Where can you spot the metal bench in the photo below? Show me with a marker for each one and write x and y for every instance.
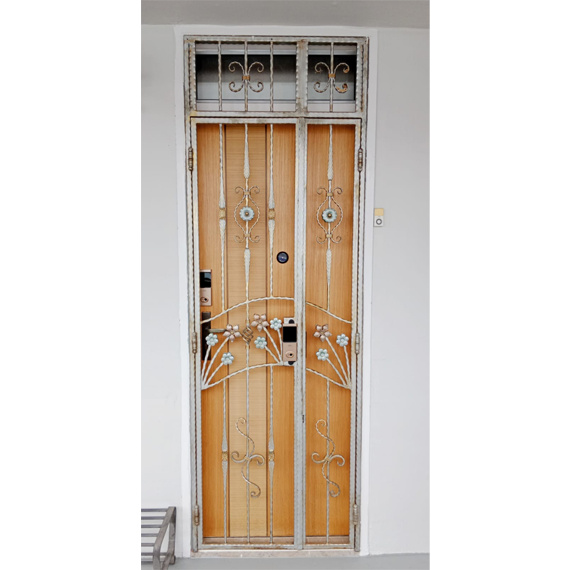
(154, 524)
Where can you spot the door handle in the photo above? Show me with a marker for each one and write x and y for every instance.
(206, 330)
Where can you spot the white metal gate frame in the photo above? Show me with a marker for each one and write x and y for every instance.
(301, 118)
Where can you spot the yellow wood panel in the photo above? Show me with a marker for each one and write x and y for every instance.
(283, 286)
(208, 157)
(236, 293)
(340, 305)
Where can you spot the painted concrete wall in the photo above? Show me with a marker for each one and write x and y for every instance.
(161, 386)
(399, 439)
(399, 434)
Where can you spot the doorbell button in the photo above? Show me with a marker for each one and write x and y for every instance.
(378, 217)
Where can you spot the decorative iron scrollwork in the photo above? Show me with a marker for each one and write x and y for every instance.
(331, 82)
(328, 458)
(247, 459)
(246, 77)
(247, 214)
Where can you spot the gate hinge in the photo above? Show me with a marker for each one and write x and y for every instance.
(357, 343)
(355, 514)
(190, 159)
(360, 159)
(194, 343)
(196, 516)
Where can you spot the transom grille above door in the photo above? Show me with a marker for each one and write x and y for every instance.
(275, 265)
(284, 75)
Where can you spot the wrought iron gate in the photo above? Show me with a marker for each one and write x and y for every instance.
(275, 139)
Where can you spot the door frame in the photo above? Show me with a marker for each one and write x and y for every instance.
(361, 430)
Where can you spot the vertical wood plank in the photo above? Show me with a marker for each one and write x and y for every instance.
(340, 305)
(235, 286)
(210, 258)
(283, 286)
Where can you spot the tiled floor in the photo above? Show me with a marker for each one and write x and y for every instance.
(385, 562)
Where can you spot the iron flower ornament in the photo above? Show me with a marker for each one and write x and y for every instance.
(322, 332)
(342, 340)
(322, 354)
(211, 339)
(259, 321)
(232, 332)
(227, 358)
(260, 342)
(246, 214)
(329, 215)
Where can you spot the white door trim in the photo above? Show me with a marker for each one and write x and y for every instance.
(184, 512)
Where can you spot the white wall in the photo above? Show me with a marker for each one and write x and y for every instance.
(399, 468)
(399, 434)
(161, 392)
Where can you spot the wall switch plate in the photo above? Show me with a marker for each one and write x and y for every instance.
(378, 217)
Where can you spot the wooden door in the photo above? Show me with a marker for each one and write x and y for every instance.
(246, 197)
(329, 297)
(259, 451)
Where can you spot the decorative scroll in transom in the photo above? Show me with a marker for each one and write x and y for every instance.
(246, 76)
(332, 70)
(331, 81)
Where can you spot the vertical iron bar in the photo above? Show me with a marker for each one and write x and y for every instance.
(247, 432)
(329, 194)
(271, 448)
(222, 207)
(220, 76)
(331, 80)
(357, 426)
(271, 226)
(299, 404)
(190, 285)
(271, 220)
(246, 72)
(328, 453)
(222, 214)
(196, 319)
(192, 73)
(246, 173)
(302, 76)
(225, 467)
(358, 87)
(247, 253)
(271, 76)
(355, 329)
